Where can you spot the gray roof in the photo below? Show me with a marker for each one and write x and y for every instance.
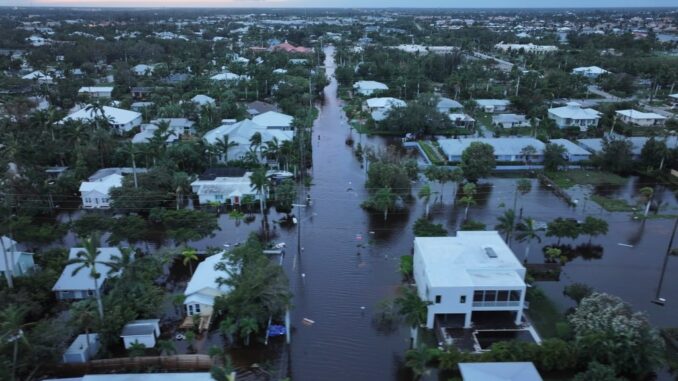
(140, 327)
(499, 371)
(637, 142)
(571, 148)
(502, 146)
(104, 172)
(448, 103)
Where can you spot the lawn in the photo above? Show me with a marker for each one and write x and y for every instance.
(612, 204)
(432, 153)
(567, 179)
(544, 313)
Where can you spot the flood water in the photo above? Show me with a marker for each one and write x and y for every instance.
(349, 261)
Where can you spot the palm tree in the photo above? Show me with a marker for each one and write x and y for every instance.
(189, 255)
(136, 349)
(507, 222)
(647, 193)
(255, 141)
(271, 149)
(131, 149)
(228, 328)
(417, 359)
(469, 190)
(88, 258)
(259, 184)
(527, 231)
(84, 315)
(247, 327)
(413, 309)
(425, 194)
(11, 330)
(97, 111)
(167, 347)
(384, 200)
(123, 263)
(223, 145)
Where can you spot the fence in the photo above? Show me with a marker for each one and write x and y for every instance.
(175, 363)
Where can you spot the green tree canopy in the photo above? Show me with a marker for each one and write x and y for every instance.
(477, 161)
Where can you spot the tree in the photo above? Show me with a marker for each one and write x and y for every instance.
(247, 327)
(259, 184)
(654, 153)
(425, 195)
(593, 227)
(507, 224)
(599, 372)
(88, 259)
(608, 331)
(166, 347)
(223, 145)
(418, 358)
(285, 194)
(577, 291)
(563, 228)
(527, 231)
(616, 155)
(188, 256)
(468, 191)
(413, 309)
(84, 316)
(383, 200)
(646, 194)
(185, 225)
(136, 349)
(477, 161)
(11, 330)
(424, 228)
(554, 157)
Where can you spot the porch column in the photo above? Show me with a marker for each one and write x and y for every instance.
(519, 313)
(467, 319)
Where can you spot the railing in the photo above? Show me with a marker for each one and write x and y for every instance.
(512, 303)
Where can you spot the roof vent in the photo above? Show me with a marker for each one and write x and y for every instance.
(490, 252)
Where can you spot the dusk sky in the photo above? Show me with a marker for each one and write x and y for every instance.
(346, 3)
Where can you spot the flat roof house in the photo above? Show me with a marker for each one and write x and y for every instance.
(274, 120)
(499, 371)
(203, 287)
(380, 107)
(510, 120)
(639, 118)
(96, 194)
(589, 71)
(447, 105)
(368, 88)
(121, 120)
(99, 92)
(493, 105)
(474, 271)
(71, 286)
(573, 115)
(142, 332)
(20, 263)
(83, 348)
(461, 120)
(505, 149)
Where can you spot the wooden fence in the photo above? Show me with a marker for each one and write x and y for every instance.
(176, 363)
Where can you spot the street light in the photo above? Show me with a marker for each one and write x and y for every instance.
(658, 300)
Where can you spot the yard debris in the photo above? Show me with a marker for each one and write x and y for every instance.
(307, 322)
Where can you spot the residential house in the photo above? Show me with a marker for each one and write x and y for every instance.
(289, 48)
(274, 120)
(259, 107)
(474, 271)
(177, 128)
(82, 349)
(77, 286)
(229, 77)
(176, 78)
(595, 145)
(121, 120)
(499, 371)
(573, 115)
(143, 69)
(526, 48)
(140, 106)
(204, 287)
(20, 262)
(505, 149)
(193, 376)
(240, 133)
(203, 100)
(96, 194)
(141, 92)
(493, 105)
(369, 88)
(639, 118)
(96, 92)
(462, 120)
(141, 332)
(227, 186)
(447, 105)
(573, 152)
(673, 98)
(510, 120)
(38, 77)
(380, 107)
(589, 71)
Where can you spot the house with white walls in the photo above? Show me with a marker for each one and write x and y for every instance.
(228, 187)
(96, 194)
(474, 271)
(144, 332)
(82, 349)
(203, 287)
(368, 88)
(574, 115)
(19, 262)
(119, 119)
(81, 285)
(96, 92)
(641, 119)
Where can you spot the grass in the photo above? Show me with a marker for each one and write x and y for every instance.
(568, 179)
(432, 153)
(612, 204)
(544, 313)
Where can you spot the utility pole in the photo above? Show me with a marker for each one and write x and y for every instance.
(658, 299)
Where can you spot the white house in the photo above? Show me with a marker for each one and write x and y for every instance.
(474, 271)
(368, 88)
(380, 107)
(82, 349)
(20, 263)
(38, 76)
(229, 77)
(240, 133)
(573, 115)
(203, 100)
(274, 120)
(639, 118)
(96, 194)
(71, 286)
(99, 92)
(527, 48)
(499, 371)
(203, 287)
(462, 120)
(589, 71)
(121, 120)
(143, 69)
(142, 332)
(510, 120)
(673, 98)
(177, 128)
(573, 152)
(505, 149)
(447, 105)
(224, 189)
(493, 105)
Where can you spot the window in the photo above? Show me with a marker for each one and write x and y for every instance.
(515, 295)
(462, 299)
(190, 309)
(477, 296)
(503, 296)
(490, 296)
(438, 299)
(197, 308)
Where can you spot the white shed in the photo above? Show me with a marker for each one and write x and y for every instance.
(141, 331)
(82, 349)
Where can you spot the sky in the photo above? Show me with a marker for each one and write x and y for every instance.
(348, 3)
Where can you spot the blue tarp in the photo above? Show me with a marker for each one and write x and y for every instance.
(276, 330)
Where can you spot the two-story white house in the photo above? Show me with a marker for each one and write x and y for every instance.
(227, 189)
(203, 287)
(573, 115)
(474, 271)
(95, 194)
(639, 118)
